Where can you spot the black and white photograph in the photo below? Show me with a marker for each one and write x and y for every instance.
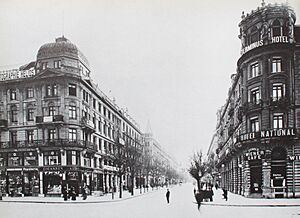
(150, 108)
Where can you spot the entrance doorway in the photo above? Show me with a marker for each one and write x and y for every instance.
(255, 176)
(278, 171)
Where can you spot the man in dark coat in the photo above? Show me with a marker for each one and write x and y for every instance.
(225, 194)
(199, 198)
(168, 196)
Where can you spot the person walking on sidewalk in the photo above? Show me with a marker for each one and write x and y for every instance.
(225, 194)
(168, 196)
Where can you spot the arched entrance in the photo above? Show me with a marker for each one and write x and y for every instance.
(278, 171)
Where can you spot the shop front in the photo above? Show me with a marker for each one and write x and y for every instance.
(52, 180)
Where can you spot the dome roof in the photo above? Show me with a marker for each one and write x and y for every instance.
(61, 47)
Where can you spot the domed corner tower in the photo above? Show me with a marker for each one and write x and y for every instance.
(64, 56)
(268, 24)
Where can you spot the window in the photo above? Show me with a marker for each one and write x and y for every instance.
(254, 96)
(276, 28)
(72, 157)
(14, 114)
(44, 65)
(52, 110)
(15, 159)
(72, 89)
(52, 158)
(13, 94)
(94, 103)
(72, 112)
(254, 124)
(278, 120)
(99, 126)
(52, 90)
(254, 70)
(29, 93)
(13, 137)
(85, 96)
(57, 64)
(30, 114)
(276, 65)
(100, 145)
(30, 136)
(52, 134)
(99, 107)
(277, 91)
(254, 36)
(72, 134)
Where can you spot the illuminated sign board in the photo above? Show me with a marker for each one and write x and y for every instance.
(275, 39)
(16, 74)
(273, 133)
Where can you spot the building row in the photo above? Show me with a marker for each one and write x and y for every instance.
(256, 143)
(59, 130)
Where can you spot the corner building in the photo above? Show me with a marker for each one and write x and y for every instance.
(57, 129)
(258, 127)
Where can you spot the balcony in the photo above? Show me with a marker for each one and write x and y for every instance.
(87, 124)
(3, 124)
(56, 143)
(252, 106)
(45, 120)
(282, 102)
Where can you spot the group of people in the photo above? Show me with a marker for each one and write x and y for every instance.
(71, 193)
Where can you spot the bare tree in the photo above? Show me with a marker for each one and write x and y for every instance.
(198, 168)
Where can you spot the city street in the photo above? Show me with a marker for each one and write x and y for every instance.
(154, 205)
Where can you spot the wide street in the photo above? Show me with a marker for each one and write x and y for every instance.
(150, 205)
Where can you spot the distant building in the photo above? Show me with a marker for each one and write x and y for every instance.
(258, 127)
(57, 129)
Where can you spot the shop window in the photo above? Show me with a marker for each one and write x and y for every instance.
(29, 92)
(254, 70)
(254, 124)
(13, 94)
(72, 134)
(254, 96)
(72, 112)
(72, 89)
(276, 65)
(30, 159)
(278, 120)
(277, 91)
(73, 158)
(52, 158)
(30, 114)
(15, 159)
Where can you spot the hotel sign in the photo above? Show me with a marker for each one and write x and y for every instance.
(16, 74)
(267, 134)
(275, 39)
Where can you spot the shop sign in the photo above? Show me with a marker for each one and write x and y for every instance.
(277, 176)
(14, 169)
(31, 169)
(273, 133)
(16, 74)
(255, 154)
(294, 157)
(52, 168)
(275, 39)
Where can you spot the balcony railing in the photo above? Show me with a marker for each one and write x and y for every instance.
(88, 124)
(50, 119)
(3, 124)
(49, 143)
(282, 102)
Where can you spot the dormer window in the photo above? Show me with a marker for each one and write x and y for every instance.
(276, 28)
(57, 64)
(254, 36)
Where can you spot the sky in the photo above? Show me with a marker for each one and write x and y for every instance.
(167, 61)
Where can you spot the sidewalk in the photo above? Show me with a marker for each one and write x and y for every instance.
(90, 199)
(235, 200)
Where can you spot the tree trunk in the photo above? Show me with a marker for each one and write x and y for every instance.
(198, 184)
(120, 184)
(132, 183)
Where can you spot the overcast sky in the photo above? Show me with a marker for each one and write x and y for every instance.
(168, 61)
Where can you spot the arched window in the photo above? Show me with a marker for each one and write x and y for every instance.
(254, 36)
(276, 28)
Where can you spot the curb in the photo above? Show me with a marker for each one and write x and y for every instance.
(249, 205)
(75, 202)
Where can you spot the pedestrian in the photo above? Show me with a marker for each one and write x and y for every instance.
(73, 194)
(65, 194)
(168, 196)
(84, 193)
(225, 194)
(199, 198)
